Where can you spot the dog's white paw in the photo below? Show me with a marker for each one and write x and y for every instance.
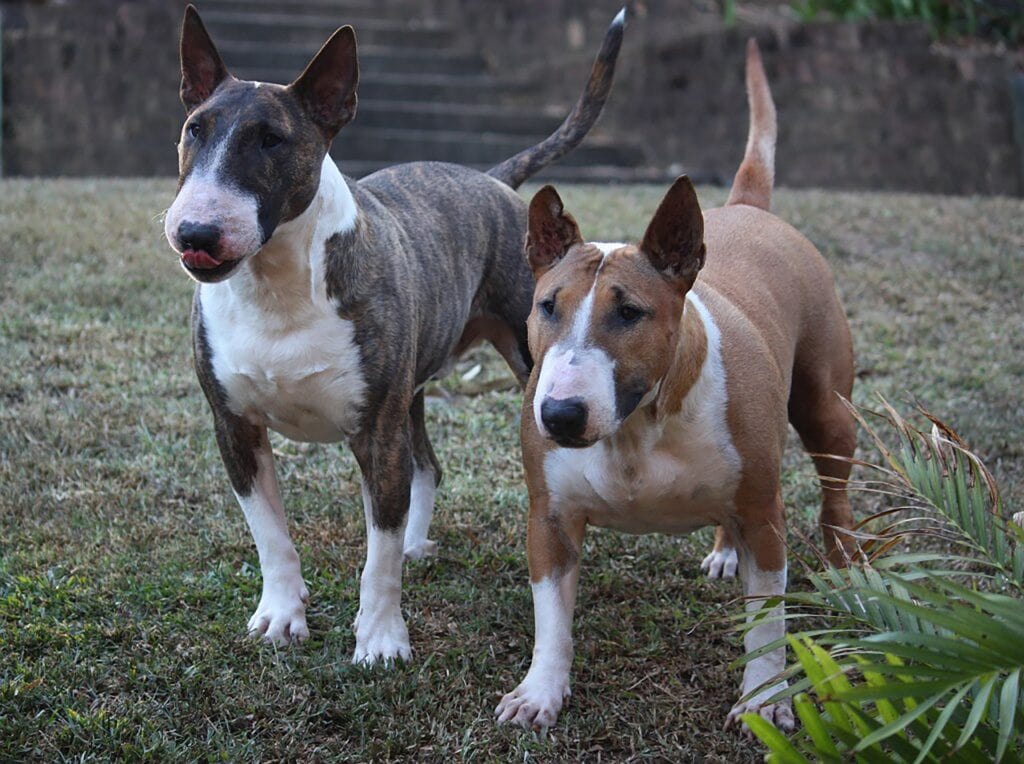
(382, 638)
(533, 705)
(280, 618)
(780, 714)
(417, 550)
(721, 564)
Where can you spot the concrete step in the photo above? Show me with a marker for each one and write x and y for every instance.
(422, 97)
(460, 117)
(314, 30)
(469, 89)
(400, 145)
(372, 59)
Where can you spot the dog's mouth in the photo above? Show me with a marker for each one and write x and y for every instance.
(571, 442)
(203, 266)
(199, 260)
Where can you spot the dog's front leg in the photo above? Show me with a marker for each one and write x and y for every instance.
(385, 458)
(554, 544)
(280, 616)
(762, 557)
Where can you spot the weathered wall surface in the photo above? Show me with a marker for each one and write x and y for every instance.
(859, 106)
(874, 105)
(90, 88)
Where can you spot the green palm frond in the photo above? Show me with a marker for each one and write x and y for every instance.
(921, 654)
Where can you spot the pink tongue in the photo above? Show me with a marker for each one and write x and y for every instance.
(197, 258)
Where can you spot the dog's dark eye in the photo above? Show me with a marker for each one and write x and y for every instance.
(547, 307)
(193, 130)
(270, 140)
(630, 315)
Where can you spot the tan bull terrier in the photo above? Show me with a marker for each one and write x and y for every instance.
(659, 401)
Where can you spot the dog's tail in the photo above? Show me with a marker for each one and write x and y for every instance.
(527, 163)
(753, 182)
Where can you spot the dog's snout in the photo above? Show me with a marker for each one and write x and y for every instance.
(565, 419)
(199, 236)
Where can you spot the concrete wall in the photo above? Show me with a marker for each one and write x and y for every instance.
(91, 88)
(865, 106)
(873, 105)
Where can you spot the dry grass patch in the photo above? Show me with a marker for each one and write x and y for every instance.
(127, 574)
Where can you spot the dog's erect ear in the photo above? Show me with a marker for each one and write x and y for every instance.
(202, 69)
(327, 88)
(552, 230)
(674, 241)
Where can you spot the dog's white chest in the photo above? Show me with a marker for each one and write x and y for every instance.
(670, 476)
(676, 482)
(301, 377)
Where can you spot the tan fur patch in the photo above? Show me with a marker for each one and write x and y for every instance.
(687, 364)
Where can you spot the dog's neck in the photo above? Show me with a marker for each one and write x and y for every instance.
(688, 360)
(289, 269)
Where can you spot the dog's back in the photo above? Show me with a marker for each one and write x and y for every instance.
(762, 273)
(457, 235)
(762, 265)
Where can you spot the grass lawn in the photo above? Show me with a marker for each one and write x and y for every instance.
(127, 573)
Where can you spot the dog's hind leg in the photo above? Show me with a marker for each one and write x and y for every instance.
(762, 553)
(508, 339)
(722, 561)
(426, 477)
(828, 430)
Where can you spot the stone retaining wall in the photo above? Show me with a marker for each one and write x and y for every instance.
(90, 88)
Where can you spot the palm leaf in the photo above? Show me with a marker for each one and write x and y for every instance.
(916, 662)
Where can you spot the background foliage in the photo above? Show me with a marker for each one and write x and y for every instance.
(997, 20)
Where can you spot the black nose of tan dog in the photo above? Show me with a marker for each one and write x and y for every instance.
(198, 236)
(565, 419)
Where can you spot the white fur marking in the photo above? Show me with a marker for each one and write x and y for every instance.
(539, 697)
(280, 616)
(205, 199)
(584, 372)
(757, 585)
(606, 247)
(279, 348)
(721, 563)
(381, 634)
(574, 369)
(421, 510)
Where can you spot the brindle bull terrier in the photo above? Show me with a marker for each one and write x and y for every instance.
(659, 401)
(324, 305)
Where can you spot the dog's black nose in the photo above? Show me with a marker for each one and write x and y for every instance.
(565, 419)
(199, 236)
